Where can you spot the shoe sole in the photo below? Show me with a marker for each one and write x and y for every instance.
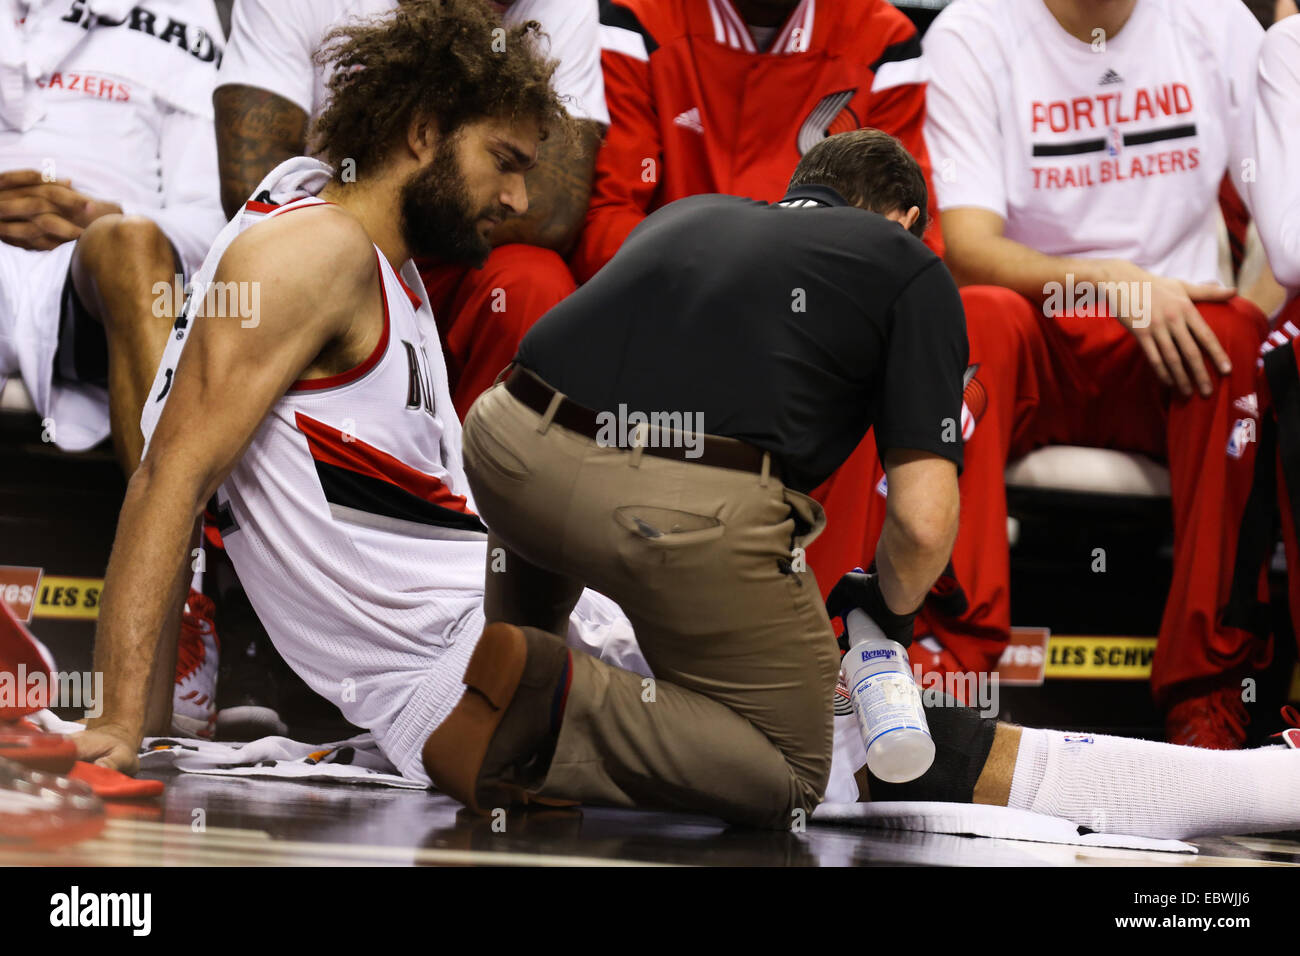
(193, 726)
(454, 753)
(249, 722)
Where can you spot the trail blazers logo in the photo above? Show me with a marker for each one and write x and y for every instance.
(831, 115)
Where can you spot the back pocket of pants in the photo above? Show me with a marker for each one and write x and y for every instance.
(668, 528)
(484, 450)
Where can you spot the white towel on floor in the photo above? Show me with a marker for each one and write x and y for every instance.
(976, 819)
(356, 760)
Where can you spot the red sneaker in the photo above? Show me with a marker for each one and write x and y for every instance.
(21, 657)
(1291, 736)
(194, 700)
(1213, 721)
(44, 810)
(24, 743)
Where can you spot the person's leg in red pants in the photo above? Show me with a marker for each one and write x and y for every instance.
(1028, 404)
(1014, 371)
(853, 523)
(1286, 407)
(1211, 630)
(1201, 656)
(482, 314)
(1085, 381)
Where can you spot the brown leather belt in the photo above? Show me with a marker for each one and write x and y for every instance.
(706, 449)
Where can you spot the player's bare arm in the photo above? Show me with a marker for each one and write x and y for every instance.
(920, 526)
(227, 380)
(256, 131)
(39, 213)
(1171, 331)
(558, 191)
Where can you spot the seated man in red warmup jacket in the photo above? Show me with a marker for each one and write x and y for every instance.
(725, 96)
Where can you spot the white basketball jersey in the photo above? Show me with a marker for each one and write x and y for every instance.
(349, 518)
(350, 521)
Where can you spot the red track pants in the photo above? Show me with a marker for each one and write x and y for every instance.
(1081, 381)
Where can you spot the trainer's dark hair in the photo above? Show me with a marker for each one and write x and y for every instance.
(870, 169)
(453, 60)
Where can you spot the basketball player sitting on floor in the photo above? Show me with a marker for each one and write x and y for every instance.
(326, 431)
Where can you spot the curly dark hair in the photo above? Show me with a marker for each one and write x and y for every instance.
(453, 60)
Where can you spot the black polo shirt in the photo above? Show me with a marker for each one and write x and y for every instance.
(794, 326)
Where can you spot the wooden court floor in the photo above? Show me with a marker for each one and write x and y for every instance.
(215, 821)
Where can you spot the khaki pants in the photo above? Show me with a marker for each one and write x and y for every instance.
(737, 720)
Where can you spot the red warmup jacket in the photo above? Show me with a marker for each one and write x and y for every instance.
(695, 107)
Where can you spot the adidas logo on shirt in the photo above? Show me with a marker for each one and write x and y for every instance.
(1109, 77)
(690, 119)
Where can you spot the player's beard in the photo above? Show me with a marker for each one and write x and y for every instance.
(437, 218)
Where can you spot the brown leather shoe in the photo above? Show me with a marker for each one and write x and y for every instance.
(497, 740)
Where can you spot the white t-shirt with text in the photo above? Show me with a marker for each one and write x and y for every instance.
(272, 43)
(1108, 149)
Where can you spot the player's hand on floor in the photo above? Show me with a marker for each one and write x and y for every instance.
(1172, 333)
(109, 746)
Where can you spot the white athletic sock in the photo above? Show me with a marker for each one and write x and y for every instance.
(1142, 788)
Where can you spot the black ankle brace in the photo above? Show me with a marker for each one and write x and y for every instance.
(962, 741)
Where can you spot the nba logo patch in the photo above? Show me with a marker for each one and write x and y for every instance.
(1243, 432)
(1113, 142)
(882, 486)
(1078, 739)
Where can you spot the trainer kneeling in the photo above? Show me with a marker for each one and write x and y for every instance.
(737, 352)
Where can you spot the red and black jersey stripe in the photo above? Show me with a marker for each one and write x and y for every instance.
(363, 479)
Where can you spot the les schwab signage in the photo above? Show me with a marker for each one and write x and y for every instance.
(30, 593)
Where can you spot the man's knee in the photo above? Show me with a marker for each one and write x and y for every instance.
(115, 249)
(113, 244)
(1239, 326)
